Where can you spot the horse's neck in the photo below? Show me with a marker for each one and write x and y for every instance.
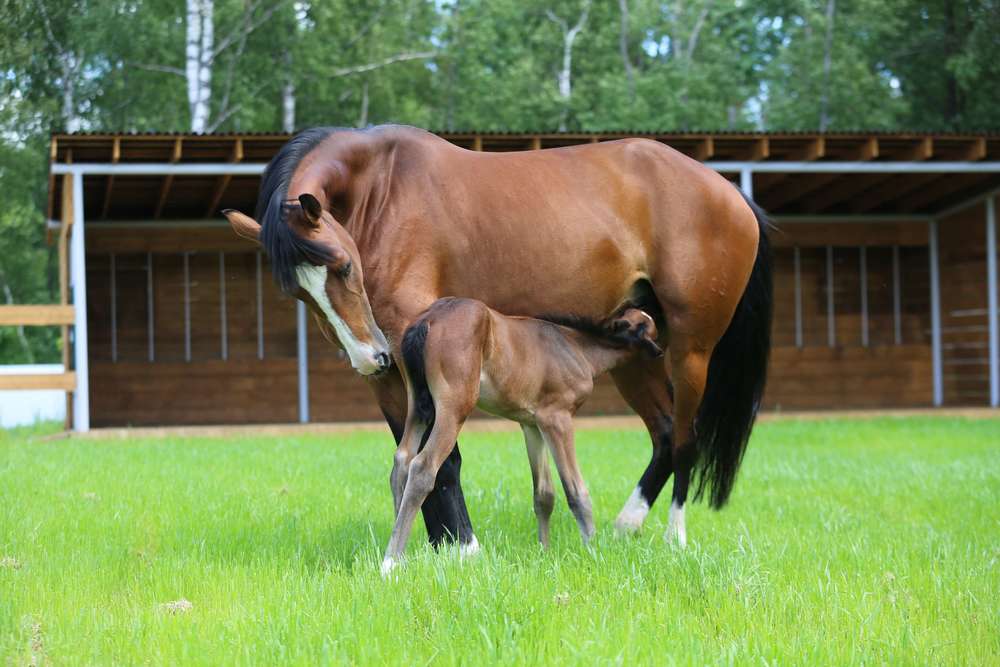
(601, 356)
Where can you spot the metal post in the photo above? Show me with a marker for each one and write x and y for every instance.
(798, 297)
(746, 182)
(303, 353)
(831, 325)
(991, 290)
(897, 300)
(114, 309)
(864, 295)
(187, 306)
(260, 311)
(224, 321)
(932, 229)
(78, 272)
(150, 322)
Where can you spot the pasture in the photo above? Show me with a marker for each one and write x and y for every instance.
(845, 542)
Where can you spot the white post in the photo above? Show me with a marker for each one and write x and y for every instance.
(746, 182)
(932, 229)
(991, 290)
(303, 352)
(78, 272)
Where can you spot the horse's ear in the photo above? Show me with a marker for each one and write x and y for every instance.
(243, 225)
(312, 209)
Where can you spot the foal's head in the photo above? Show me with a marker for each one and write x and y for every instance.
(317, 261)
(636, 329)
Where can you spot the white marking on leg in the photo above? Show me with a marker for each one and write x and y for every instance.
(313, 280)
(470, 549)
(388, 565)
(633, 514)
(676, 529)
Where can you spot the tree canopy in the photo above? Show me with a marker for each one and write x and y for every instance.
(641, 65)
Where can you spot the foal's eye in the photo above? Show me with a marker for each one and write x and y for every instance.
(344, 271)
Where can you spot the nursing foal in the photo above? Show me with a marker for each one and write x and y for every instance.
(460, 354)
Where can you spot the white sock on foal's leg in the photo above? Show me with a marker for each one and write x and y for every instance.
(633, 514)
(676, 529)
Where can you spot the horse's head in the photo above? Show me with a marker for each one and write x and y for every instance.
(638, 330)
(323, 269)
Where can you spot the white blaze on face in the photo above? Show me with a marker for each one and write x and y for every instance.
(313, 280)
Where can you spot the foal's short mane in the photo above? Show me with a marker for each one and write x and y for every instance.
(593, 328)
(283, 246)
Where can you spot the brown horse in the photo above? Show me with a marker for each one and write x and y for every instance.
(461, 354)
(583, 230)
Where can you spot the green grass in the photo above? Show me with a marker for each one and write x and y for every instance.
(845, 542)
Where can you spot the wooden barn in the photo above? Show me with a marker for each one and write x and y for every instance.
(886, 279)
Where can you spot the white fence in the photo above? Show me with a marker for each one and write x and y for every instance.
(24, 407)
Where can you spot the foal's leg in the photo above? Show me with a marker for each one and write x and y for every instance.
(445, 513)
(644, 385)
(409, 445)
(541, 477)
(558, 434)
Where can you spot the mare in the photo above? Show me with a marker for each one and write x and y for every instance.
(403, 217)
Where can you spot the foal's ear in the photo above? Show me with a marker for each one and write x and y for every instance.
(311, 208)
(243, 225)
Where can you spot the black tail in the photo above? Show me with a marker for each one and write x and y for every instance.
(737, 373)
(414, 342)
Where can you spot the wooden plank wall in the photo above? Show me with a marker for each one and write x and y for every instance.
(247, 389)
(964, 325)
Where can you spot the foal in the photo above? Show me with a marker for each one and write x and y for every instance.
(460, 354)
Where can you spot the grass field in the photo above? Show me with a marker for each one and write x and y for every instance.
(846, 542)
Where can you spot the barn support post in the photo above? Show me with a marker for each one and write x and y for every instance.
(78, 279)
(746, 181)
(932, 238)
(303, 359)
(991, 290)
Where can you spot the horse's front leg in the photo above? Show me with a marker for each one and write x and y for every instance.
(445, 514)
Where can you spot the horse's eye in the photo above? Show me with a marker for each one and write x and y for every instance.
(345, 270)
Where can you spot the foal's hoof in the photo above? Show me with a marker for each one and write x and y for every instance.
(388, 565)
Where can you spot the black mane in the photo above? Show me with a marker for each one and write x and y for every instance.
(283, 246)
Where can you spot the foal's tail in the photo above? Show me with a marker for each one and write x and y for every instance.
(414, 342)
(737, 373)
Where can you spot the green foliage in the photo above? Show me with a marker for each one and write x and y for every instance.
(845, 543)
(474, 64)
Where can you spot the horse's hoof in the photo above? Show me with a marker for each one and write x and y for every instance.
(469, 549)
(630, 519)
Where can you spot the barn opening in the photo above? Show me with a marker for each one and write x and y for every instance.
(885, 280)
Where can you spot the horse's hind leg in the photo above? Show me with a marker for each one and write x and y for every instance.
(689, 362)
(541, 477)
(644, 385)
(557, 432)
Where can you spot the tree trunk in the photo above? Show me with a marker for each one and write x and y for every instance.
(363, 115)
(623, 47)
(566, 72)
(824, 99)
(288, 97)
(198, 61)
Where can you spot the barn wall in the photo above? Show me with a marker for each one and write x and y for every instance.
(256, 382)
(964, 325)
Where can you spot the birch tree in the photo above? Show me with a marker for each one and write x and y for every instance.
(565, 75)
